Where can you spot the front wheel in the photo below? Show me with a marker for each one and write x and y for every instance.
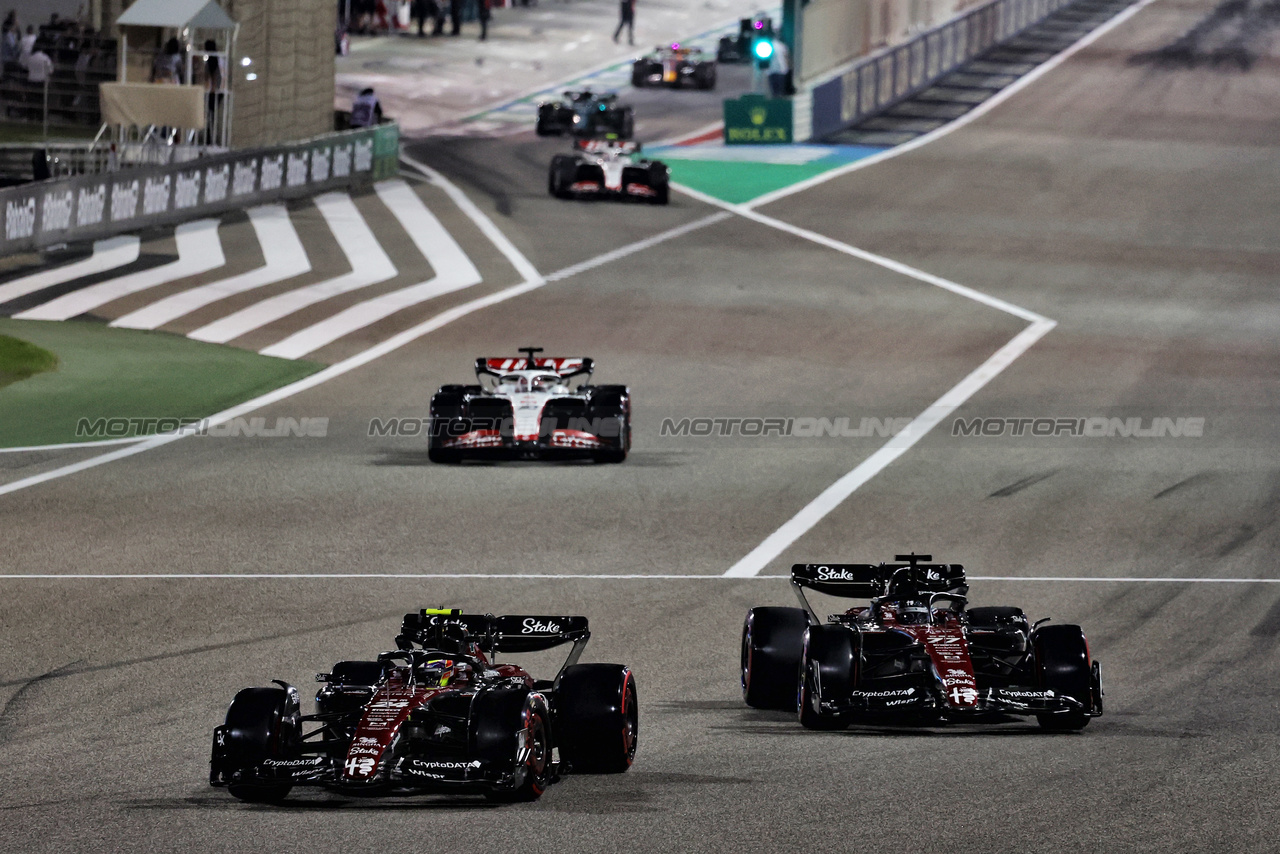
(261, 724)
(533, 757)
(772, 648)
(1062, 664)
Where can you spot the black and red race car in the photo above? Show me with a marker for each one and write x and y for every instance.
(436, 715)
(530, 408)
(916, 655)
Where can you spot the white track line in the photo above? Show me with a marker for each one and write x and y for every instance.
(282, 253)
(378, 350)
(107, 255)
(65, 446)
(508, 249)
(369, 266)
(199, 250)
(971, 116)
(454, 272)
(836, 493)
(510, 576)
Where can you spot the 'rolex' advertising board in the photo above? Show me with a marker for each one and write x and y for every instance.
(757, 120)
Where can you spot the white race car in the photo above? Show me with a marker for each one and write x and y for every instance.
(529, 408)
(608, 168)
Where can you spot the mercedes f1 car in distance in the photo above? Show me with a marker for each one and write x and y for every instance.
(585, 113)
(608, 169)
(528, 408)
(439, 717)
(674, 66)
(916, 655)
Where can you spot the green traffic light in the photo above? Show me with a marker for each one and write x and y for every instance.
(763, 48)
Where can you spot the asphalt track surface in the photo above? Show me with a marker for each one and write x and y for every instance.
(1134, 205)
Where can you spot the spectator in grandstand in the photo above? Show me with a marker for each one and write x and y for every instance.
(10, 41)
(39, 67)
(27, 46)
(168, 65)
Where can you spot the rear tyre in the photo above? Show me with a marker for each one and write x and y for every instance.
(545, 113)
(1062, 664)
(260, 725)
(598, 718)
(639, 74)
(772, 646)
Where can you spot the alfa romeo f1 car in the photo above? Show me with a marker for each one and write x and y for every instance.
(436, 715)
(528, 408)
(916, 654)
(585, 113)
(674, 66)
(608, 169)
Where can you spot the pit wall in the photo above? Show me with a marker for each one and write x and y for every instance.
(871, 84)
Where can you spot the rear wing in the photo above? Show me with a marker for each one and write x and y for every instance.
(512, 633)
(565, 366)
(870, 581)
(600, 146)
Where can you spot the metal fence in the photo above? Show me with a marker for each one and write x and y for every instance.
(92, 206)
(877, 82)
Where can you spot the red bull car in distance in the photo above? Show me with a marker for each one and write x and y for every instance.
(608, 169)
(916, 655)
(437, 715)
(529, 408)
(676, 67)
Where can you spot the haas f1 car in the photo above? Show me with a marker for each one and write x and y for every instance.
(674, 66)
(915, 655)
(528, 408)
(608, 169)
(584, 113)
(436, 715)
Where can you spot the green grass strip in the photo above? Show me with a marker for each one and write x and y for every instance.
(125, 373)
(21, 359)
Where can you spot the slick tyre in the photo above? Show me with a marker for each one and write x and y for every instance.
(1062, 665)
(598, 718)
(512, 728)
(828, 670)
(444, 456)
(260, 725)
(772, 646)
(560, 176)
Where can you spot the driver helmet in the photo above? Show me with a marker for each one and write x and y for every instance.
(437, 672)
(914, 614)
